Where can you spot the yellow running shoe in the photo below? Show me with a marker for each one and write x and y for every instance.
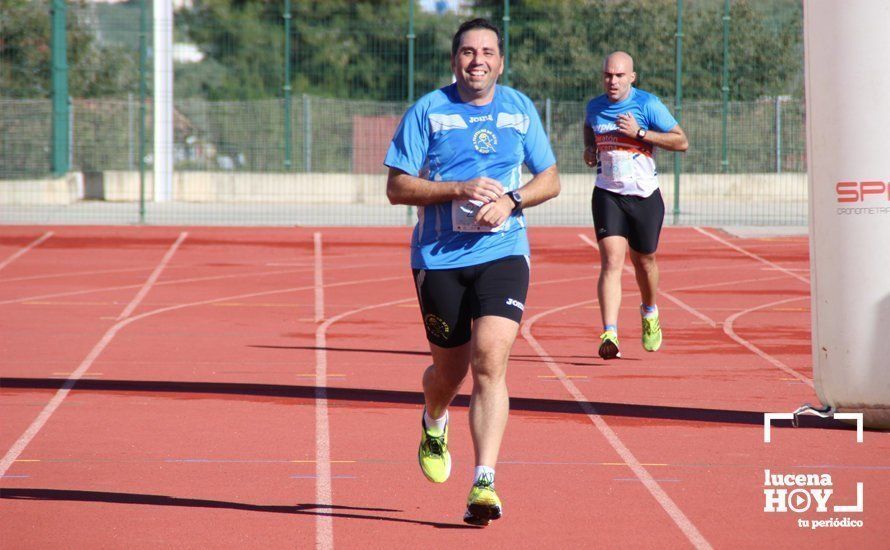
(609, 346)
(433, 455)
(483, 504)
(651, 333)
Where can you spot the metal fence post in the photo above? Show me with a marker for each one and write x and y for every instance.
(548, 116)
(506, 20)
(143, 62)
(70, 146)
(725, 88)
(411, 36)
(307, 134)
(60, 121)
(678, 103)
(163, 105)
(287, 88)
(778, 134)
(409, 210)
(131, 123)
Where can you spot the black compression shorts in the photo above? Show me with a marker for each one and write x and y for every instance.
(450, 299)
(638, 219)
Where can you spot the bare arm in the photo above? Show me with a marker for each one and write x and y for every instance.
(402, 188)
(589, 146)
(672, 140)
(543, 187)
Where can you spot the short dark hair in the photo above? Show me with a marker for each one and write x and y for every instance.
(473, 24)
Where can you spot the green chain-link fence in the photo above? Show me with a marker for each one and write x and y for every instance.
(249, 150)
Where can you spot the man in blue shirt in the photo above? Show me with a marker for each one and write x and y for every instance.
(622, 128)
(457, 156)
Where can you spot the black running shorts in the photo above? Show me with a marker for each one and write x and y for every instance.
(450, 299)
(638, 219)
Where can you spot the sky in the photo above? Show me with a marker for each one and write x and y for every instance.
(432, 5)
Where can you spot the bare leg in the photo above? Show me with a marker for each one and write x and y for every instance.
(612, 252)
(646, 271)
(490, 403)
(442, 379)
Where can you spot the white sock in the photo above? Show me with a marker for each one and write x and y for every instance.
(484, 471)
(648, 311)
(435, 424)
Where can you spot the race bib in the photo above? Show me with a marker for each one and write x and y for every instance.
(619, 166)
(463, 217)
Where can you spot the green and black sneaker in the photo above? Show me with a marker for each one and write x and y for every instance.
(651, 333)
(435, 461)
(483, 504)
(609, 345)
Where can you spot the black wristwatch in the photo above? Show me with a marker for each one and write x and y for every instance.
(517, 200)
(641, 133)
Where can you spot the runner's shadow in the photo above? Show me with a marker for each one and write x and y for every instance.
(359, 396)
(351, 350)
(332, 510)
(514, 357)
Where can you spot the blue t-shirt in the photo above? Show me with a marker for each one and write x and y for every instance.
(627, 165)
(441, 138)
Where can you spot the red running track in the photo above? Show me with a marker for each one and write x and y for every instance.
(208, 387)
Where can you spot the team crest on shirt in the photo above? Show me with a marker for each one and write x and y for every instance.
(436, 326)
(485, 141)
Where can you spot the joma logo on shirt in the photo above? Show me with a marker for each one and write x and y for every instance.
(481, 118)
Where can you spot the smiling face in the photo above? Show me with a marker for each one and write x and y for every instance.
(618, 75)
(477, 65)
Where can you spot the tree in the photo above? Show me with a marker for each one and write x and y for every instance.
(243, 44)
(556, 46)
(338, 48)
(94, 69)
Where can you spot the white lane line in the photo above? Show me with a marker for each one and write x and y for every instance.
(668, 295)
(152, 278)
(72, 274)
(728, 324)
(379, 255)
(562, 281)
(728, 329)
(62, 393)
(700, 269)
(668, 505)
(324, 525)
(10, 456)
(179, 281)
(19, 253)
(165, 283)
(324, 532)
(752, 255)
(727, 283)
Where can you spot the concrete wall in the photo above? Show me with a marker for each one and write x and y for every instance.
(744, 187)
(368, 189)
(63, 190)
(242, 187)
